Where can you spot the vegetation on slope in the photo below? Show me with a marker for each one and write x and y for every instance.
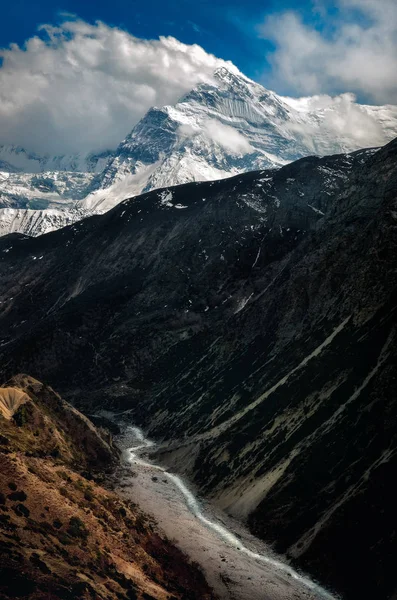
(63, 534)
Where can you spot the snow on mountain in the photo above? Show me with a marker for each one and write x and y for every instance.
(43, 190)
(34, 200)
(215, 131)
(233, 125)
(35, 203)
(37, 222)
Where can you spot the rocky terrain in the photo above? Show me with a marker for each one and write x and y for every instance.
(249, 323)
(237, 565)
(218, 129)
(63, 533)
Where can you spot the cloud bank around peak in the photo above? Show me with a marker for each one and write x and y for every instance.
(227, 137)
(348, 46)
(79, 87)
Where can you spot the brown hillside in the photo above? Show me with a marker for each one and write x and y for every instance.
(62, 534)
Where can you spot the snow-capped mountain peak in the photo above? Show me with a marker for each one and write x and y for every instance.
(218, 129)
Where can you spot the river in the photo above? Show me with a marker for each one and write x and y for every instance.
(237, 565)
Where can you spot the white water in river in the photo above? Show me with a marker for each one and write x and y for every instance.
(222, 532)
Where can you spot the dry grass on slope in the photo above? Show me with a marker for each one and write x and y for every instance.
(63, 535)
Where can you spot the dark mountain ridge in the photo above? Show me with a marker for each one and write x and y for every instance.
(251, 321)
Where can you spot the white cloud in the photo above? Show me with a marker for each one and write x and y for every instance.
(354, 49)
(330, 117)
(229, 138)
(84, 86)
(187, 130)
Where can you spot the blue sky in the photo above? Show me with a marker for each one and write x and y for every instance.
(98, 66)
(226, 28)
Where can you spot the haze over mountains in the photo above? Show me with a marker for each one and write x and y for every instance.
(217, 130)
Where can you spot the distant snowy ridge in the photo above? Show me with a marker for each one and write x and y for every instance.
(43, 190)
(37, 222)
(215, 131)
(20, 160)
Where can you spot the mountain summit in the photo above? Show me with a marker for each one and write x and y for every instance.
(230, 126)
(216, 130)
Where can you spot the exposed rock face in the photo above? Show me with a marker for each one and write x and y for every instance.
(11, 399)
(251, 321)
(62, 534)
(33, 222)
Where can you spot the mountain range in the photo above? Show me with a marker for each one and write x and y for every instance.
(248, 325)
(217, 130)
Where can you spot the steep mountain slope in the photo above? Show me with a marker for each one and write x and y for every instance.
(217, 130)
(231, 126)
(62, 534)
(35, 222)
(250, 322)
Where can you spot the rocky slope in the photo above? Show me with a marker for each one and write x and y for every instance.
(62, 534)
(34, 222)
(251, 322)
(217, 130)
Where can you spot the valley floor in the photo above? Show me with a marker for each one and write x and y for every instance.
(233, 572)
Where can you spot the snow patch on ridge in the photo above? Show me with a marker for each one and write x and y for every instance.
(165, 198)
